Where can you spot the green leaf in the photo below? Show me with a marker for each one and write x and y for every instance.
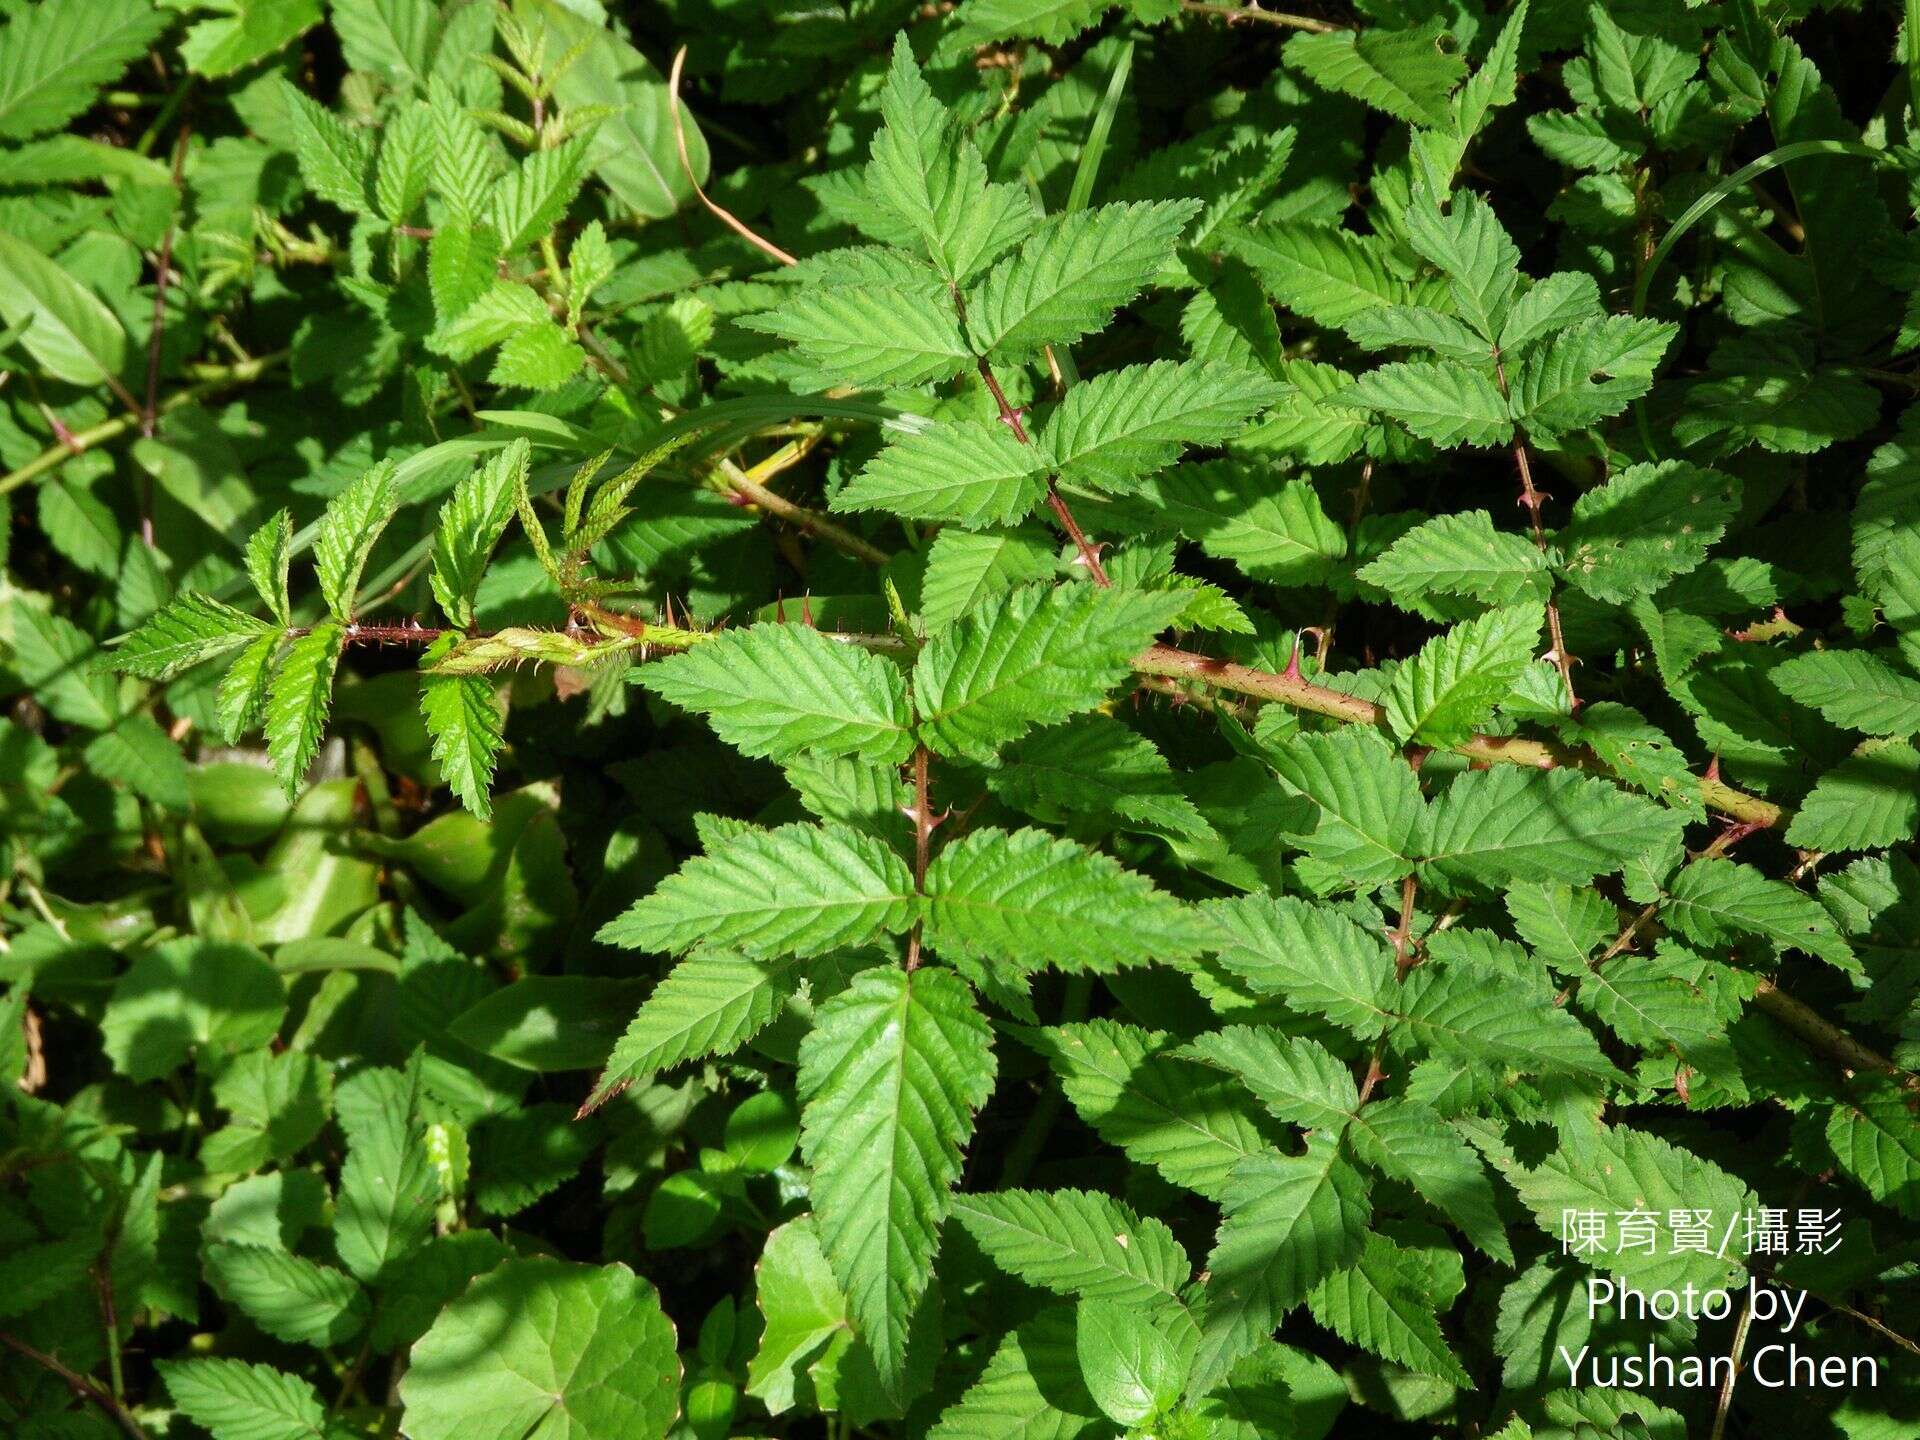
(775, 690)
(529, 202)
(1639, 753)
(1028, 900)
(1379, 1303)
(935, 182)
(1473, 250)
(891, 1075)
(1077, 1244)
(188, 631)
(1416, 327)
(1365, 808)
(1276, 534)
(462, 264)
(1550, 305)
(1132, 1371)
(1449, 690)
(247, 31)
(1495, 826)
(233, 1400)
(463, 720)
(541, 1346)
(348, 528)
(1589, 373)
(279, 1104)
(964, 569)
(1713, 901)
(69, 331)
(797, 890)
(972, 473)
(1095, 767)
(186, 995)
(298, 698)
(1406, 73)
(1031, 1389)
(1868, 801)
(269, 559)
(1290, 1221)
(866, 336)
(1051, 22)
(58, 662)
(1460, 554)
(471, 523)
(537, 357)
(528, 1153)
(388, 1187)
(1032, 657)
(290, 1297)
(1116, 427)
(1616, 1173)
(633, 150)
(1178, 1116)
(1322, 272)
(1298, 1081)
(1414, 1145)
(1855, 689)
(404, 164)
(57, 54)
(1447, 404)
(336, 162)
(1483, 1019)
(1311, 956)
(393, 39)
(1875, 1137)
(241, 701)
(711, 1003)
(1072, 275)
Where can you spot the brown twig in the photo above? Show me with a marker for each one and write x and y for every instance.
(82, 1387)
(720, 212)
(1235, 13)
(1010, 417)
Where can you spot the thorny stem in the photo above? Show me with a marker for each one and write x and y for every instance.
(1089, 552)
(1234, 13)
(209, 379)
(1405, 953)
(82, 1387)
(922, 844)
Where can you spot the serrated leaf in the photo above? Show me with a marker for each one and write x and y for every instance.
(1555, 303)
(1072, 275)
(142, 756)
(1473, 250)
(1290, 1221)
(867, 336)
(1450, 689)
(348, 528)
(234, 1400)
(1032, 657)
(775, 690)
(711, 1003)
(1589, 373)
(1484, 1020)
(298, 697)
(1096, 767)
(527, 203)
(1298, 1080)
(796, 890)
(1127, 423)
(1077, 1244)
(241, 701)
(1379, 1303)
(1414, 1145)
(1460, 554)
(269, 558)
(186, 632)
(971, 473)
(1447, 404)
(464, 722)
(537, 357)
(336, 162)
(1855, 689)
(388, 1187)
(1310, 956)
(1403, 72)
(1131, 1086)
(1877, 1141)
(891, 1076)
(1277, 534)
(1495, 826)
(1714, 900)
(288, 1296)
(1417, 327)
(1639, 753)
(1322, 272)
(1869, 800)
(1029, 900)
(965, 569)
(58, 53)
(404, 164)
(1030, 1390)
(470, 525)
(65, 327)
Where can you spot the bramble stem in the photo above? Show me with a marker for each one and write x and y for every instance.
(1235, 13)
(922, 844)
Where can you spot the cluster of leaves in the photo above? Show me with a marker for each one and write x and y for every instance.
(965, 785)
